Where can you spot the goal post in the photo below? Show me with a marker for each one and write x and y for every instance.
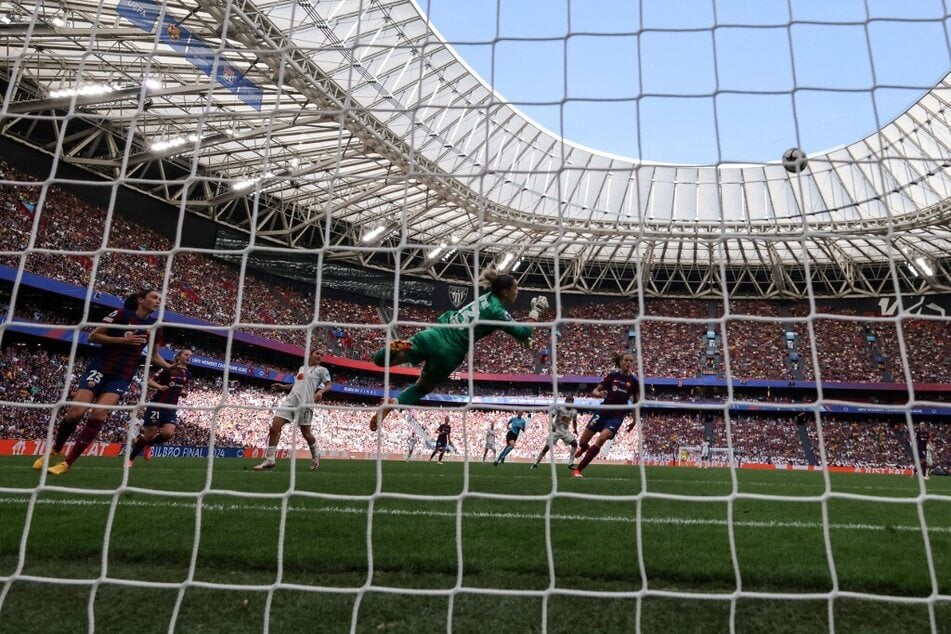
(691, 456)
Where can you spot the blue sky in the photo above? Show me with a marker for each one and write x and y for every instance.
(653, 79)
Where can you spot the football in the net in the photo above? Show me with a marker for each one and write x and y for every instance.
(794, 160)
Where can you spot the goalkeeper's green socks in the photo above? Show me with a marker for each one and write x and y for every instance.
(411, 395)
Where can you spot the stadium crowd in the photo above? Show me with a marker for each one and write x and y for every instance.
(673, 348)
(757, 348)
(674, 338)
(203, 287)
(855, 443)
(238, 415)
(32, 385)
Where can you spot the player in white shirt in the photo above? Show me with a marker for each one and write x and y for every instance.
(929, 459)
(704, 454)
(489, 443)
(136, 422)
(310, 385)
(413, 439)
(563, 417)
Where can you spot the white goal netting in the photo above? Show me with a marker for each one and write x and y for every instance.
(289, 176)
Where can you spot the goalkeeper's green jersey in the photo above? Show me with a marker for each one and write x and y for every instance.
(488, 307)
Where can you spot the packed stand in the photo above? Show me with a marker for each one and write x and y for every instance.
(198, 286)
(425, 317)
(30, 375)
(202, 287)
(757, 348)
(358, 332)
(927, 345)
(764, 439)
(585, 348)
(865, 443)
(669, 348)
(843, 351)
(33, 375)
(239, 414)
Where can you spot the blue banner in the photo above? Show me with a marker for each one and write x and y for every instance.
(111, 301)
(144, 14)
(182, 451)
(64, 334)
(218, 364)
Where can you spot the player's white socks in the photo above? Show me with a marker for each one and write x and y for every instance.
(313, 450)
(271, 455)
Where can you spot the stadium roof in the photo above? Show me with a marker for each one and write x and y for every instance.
(350, 124)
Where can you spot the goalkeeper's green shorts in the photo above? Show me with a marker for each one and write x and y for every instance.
(441, 356)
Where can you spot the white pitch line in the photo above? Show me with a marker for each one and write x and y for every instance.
(474, 514)
(473, 472)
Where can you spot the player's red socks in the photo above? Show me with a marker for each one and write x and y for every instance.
(589, 455)
(136, 448)
(63, 432)
(86, 436)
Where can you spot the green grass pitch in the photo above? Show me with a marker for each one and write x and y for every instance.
(413, 547)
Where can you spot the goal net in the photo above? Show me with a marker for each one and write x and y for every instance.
(273, 185)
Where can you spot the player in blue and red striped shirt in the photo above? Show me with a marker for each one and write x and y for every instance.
(170, 385)
(617, 389)
(923, 439)
(123, 337)
(442, 440)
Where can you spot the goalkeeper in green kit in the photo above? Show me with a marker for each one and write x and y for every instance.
(442, 349)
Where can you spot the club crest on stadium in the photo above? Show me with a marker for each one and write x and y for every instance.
(458, 295)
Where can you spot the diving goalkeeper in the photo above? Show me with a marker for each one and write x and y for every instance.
(443, 349)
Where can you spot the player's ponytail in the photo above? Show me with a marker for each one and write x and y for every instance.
(494, 281)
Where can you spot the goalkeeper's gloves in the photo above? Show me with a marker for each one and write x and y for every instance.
(539, 305)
